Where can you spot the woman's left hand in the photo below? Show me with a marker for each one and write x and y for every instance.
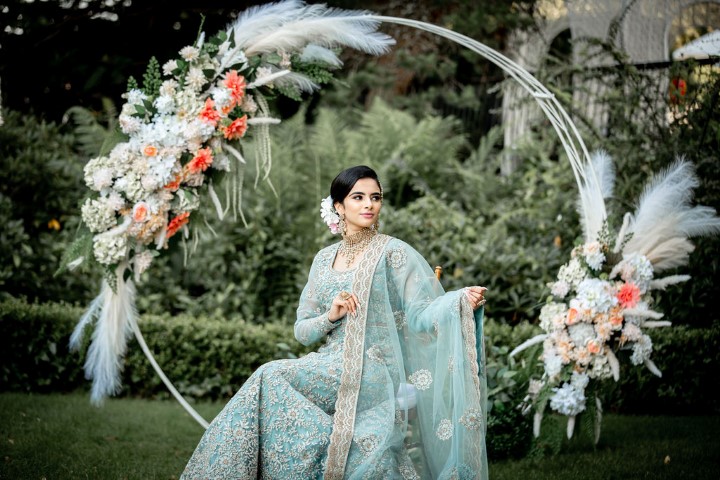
(476, 295)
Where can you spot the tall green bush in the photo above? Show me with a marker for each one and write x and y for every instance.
(41, 185)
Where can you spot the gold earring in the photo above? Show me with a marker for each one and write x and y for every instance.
(342, 225)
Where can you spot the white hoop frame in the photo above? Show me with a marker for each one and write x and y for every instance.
(573, 144)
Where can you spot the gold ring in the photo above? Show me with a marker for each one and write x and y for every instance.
(344, 295)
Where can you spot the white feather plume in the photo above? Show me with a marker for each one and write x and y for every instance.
(88, 317)
(261, 19)
(656, 324)
(598, 185)
(662, 283)
(627, 220)
(302, 82)
(570, 426)
(642, 313)
(537, 421)
(664, 218)
(316, 53)
(290, 26)
(529, 343)
(614, 364)
(116, 315)
(652, 367)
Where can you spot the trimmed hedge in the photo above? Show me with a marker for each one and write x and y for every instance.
(204, 357)
(210, 357)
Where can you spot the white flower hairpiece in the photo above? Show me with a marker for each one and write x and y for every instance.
(329, 215)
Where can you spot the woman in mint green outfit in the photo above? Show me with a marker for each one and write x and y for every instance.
(397, 391)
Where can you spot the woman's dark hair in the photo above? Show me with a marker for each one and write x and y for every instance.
(345, 180)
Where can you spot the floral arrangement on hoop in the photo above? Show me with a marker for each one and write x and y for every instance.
(181, 136)
(601, 301)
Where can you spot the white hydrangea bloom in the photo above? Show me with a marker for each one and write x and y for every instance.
(593, 254)
(560, 288)
(579, 380)
(109, 249)
(143, 261)
(568, 400)
(596, 295)
(572, 273)
(553, 364)
(131, 186)
(102, 178)
(115, 201)
(95, 180)
(165, 104)
(135, 96)
(98, 215)
(641, 350)
(581, 333)
(631, 332)
(600, 367)
(221, 97)
(637, 269)
(552, 316)
(128, 123)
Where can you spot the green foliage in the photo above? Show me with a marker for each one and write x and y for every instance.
(34, 354)
(41, 186)
(688, 358)
(206, 357)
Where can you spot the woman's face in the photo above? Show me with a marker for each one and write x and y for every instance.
(361, 206)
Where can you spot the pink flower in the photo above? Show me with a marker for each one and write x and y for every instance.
(334, 228)
(629, 295)
(209, 114)
(177, 223)
(203, 159)
(236, 129)
(236, 84)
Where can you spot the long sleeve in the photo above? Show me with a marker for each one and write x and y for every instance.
(312, 322)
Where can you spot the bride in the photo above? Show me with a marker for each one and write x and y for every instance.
(397, 391)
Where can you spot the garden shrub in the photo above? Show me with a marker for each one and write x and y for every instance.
(41, 185)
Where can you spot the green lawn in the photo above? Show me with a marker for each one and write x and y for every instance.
(64, 437)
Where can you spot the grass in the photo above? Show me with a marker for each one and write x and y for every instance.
(64, 437)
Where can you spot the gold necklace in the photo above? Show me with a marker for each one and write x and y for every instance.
(353, 244)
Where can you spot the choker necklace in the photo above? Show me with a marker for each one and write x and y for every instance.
(357, 242)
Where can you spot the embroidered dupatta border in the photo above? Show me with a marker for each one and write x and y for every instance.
(468, 327)
(345, 406)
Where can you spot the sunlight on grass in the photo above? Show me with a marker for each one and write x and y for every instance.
(64, 437)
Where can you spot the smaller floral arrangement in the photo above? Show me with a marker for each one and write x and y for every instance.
(596, 309)
(601, 301)
(329, 215)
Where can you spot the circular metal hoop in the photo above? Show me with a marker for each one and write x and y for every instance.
(573, 144)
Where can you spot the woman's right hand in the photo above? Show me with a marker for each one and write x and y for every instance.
(343, 304)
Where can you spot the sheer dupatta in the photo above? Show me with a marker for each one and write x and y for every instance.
(412, 397)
